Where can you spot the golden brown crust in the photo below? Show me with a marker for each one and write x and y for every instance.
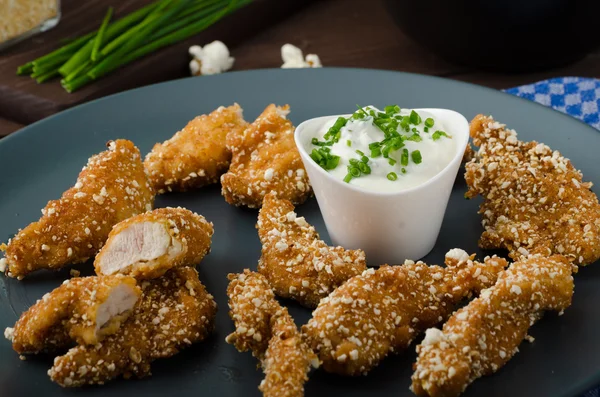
(174, 312)
(190, 232)
(481, 337)
(68, 314)
(265, 159)
(535, 201)
(384, 310)
(197, 155)
(469, 154)
(295, 262)
(265, 328)
(111, 187)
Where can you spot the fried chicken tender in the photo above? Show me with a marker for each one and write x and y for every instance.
(111, 187)
(481, 337)
(147, 245)
(265, 328)
(197, 155)
(384, 310)
(265, 159)
(174, 312)
(535, 201)
(84, 310)
(295, 262)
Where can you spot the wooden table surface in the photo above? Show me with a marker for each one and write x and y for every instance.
(342, 35)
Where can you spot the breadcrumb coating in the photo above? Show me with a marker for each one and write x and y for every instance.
(148, 245)
(297, 264)
(80, 310)
(174, 312)
(384, 310)
(197, 155)
(268, 331)
(265, 158)
(535, 201)
(111, 187)
(481, 337)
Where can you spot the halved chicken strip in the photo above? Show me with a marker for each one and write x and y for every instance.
(111, 187)
(83, 309)
(174, 312)
(148, 245)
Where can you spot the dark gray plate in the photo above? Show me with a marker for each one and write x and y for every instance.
(43, 160)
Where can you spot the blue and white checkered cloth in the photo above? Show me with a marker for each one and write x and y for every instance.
(576, 96)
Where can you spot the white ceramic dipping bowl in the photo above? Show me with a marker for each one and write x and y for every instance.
(392, 226)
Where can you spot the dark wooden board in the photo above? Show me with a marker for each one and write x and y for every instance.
(352, 33)
(24, 101)
(8, 127)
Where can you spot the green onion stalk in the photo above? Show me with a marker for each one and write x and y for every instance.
(114, 44)
(112, 63)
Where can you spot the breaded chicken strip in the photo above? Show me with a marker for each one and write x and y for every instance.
(265, 328)
(481, 337)
(295, 262)
(384, 310)
(197, 155)
(174, 312)
(147, 245)
(83, 309)
(535, 201)
(111, 187)
(265, 159)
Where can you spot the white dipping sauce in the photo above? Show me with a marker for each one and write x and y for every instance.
(435, 154)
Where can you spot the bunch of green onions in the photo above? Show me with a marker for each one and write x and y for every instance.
(117, 43)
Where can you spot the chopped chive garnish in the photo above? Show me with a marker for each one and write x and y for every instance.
(415, 118)
(332, 162)
(392, 109)
(403, 170)
(359, 152)
(349, 142)
(347, 178)
(376, 152)
(416, 157)
(324, 158)
(426, 129)
(429, 122)
(364, 159)
(334, 133)
(362, 111)
(404, 157)
(414, 130)
(354, 171)
(317, 142)
(438, 134)
(404, 123)
(386, 151)
(354, 162)
(392, 162)
(414, 138)
(316, 155)
(364, 168)
(392, 176)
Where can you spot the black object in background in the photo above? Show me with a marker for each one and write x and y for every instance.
(502, 35)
